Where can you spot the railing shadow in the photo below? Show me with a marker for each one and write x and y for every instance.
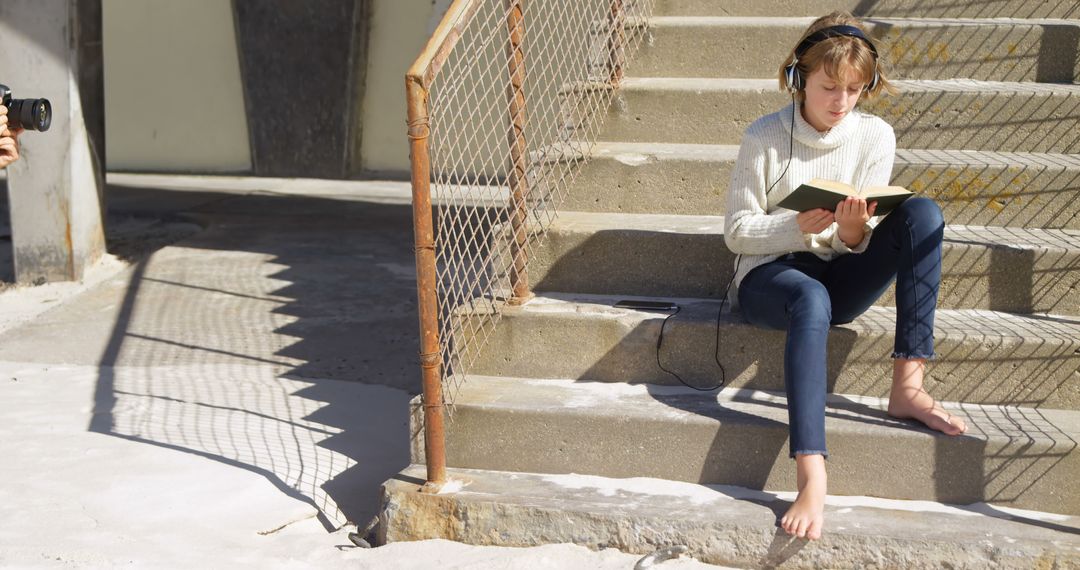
(1034, 113)
(1010, 456)
(971, 367)
(1011, 270)
(983, 9)
(995, 189)
(880, 8)
(915, 47)
(256, 343)
(984, 357)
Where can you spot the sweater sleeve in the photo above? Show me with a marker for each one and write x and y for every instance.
(748, 227)
(877, 173)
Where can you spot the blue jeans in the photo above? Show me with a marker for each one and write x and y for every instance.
(804, 295)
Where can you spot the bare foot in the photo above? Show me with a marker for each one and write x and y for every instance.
(916, 404)
(908, 400)
(806, 516)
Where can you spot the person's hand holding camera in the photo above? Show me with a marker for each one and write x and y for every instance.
(9, 140)
(17, 115)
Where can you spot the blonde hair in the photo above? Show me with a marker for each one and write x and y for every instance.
(837, 53)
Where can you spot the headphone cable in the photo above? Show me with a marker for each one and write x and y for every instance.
(738, 260)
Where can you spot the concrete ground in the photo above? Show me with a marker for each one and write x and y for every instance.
(228, 389)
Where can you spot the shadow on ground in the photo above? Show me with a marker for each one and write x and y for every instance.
(267, 340)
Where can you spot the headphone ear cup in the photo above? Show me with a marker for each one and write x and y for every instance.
(794, 79)
(873, 82)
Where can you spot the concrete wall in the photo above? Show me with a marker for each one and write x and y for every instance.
(173, 95)
(399, 30)
(52, 48)
(174, 87)
(300, 80)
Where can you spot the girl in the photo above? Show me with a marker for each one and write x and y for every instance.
(802, 272)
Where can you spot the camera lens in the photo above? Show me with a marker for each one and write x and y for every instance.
(30, 114)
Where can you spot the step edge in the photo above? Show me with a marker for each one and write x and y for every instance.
(1048, 161)
(461, 485)
(727, 84)
(870, 21)
(750, 406)
(587, 305)
(1024, 239)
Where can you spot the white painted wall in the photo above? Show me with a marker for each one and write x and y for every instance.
(173, 94)
(399, 31)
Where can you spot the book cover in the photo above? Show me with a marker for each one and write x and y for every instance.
(827, 194)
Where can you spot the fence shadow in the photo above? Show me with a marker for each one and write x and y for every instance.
(1010, 456)
(986, 358)
(261, 343)
(984, 9)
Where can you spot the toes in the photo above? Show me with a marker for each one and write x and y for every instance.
(814, 532)
(921, 407)
(950, 424)
(800, 528)
(785, 523)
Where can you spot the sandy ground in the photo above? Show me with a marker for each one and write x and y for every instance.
(197, 408)
(76, 499)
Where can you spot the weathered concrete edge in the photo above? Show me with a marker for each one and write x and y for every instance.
(518, 509)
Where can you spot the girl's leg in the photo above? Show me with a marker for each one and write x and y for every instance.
(786, 295)
(906, 246)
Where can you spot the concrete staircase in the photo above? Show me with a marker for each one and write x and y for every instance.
(987, 123)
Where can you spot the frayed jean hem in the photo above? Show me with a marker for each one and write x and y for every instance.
(932, 356)
(821, 452)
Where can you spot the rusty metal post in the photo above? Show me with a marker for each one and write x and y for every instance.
(518, 178)
(617, 42)
(426, 280)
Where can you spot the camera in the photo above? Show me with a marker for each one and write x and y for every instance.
(29, 114)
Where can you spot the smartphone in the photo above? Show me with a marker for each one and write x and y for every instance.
(646, 305)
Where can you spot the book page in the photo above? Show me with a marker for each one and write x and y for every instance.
(873, 191)
(838, 187)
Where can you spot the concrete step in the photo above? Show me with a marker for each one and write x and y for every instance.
(1016, 457)
(948, 114)
(1015, 270)
(720, 524)
(878, 8)
(983, 357)
(972, 187)
(656, 178)
(917, 48)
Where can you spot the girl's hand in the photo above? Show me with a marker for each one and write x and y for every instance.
(853, 212)
(851, 216)
(814, 221)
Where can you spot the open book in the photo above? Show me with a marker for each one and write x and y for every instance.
(819, 193)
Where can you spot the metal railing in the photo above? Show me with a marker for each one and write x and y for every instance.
(504, 105)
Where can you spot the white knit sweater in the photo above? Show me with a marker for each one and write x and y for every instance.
(858, 151)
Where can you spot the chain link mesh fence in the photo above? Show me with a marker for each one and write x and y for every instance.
(511, 125)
